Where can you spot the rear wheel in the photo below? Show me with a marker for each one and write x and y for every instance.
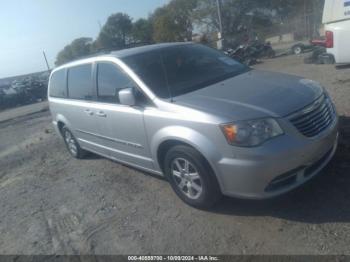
(191, 177)
(72, 144)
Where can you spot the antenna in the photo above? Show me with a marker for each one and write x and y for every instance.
(166, 78)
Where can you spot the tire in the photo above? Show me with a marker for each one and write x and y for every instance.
(72, 144)
(197, 185)
(298, 49)
(328, 60)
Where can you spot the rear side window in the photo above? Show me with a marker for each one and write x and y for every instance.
(110, 79)
(80, 83)
(58, 87)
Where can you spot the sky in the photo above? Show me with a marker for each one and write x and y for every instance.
(29, 27)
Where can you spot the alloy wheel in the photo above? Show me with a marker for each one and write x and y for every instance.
(187, 178)
(71, 144)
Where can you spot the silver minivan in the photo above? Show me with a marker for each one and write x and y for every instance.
(207, 123)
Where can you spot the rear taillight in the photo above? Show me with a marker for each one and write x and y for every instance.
(329, 39)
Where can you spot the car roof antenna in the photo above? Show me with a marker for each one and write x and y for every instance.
(166, 78)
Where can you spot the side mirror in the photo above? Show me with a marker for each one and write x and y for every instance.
(127, 97)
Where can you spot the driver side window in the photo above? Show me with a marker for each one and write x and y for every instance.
(110, 80)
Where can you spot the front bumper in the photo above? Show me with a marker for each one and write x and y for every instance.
(278, 166)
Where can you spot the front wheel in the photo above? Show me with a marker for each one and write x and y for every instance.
(191, 177)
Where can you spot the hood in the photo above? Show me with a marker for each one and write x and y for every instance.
(254, 94)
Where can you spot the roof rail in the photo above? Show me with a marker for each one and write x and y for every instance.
(106, 51)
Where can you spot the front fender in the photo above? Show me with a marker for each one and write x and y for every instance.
(188, 136)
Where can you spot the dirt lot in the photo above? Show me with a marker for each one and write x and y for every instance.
(51, 203)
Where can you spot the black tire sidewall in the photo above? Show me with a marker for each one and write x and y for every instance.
(80, 152)
(211, 192)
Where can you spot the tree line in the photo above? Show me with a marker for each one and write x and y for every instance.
(177, 20)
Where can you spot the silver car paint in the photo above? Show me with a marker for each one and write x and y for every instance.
(254, 94)
(133, 135)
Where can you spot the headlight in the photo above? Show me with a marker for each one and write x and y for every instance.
(251, 133)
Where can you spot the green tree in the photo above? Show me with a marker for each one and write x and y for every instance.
(116, 33)
(257, 15)
(80, 47)
(142, 31)
(234, 13)
(174, 22)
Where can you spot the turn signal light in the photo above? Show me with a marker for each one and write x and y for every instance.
(230, 132)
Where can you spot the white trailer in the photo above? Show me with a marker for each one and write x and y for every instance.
(336, 17)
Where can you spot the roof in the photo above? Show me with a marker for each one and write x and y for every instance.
(122, 53)
(143, 49)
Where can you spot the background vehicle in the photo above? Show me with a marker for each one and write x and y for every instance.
(336, 17)
(244, 54)
(249, 54)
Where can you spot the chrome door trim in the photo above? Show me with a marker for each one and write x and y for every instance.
(122, 142)
(116, 151)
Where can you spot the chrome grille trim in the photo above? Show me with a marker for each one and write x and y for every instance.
(315, 118)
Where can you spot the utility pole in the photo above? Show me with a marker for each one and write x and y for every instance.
(305, 20)
(220, 34)
(47, 63)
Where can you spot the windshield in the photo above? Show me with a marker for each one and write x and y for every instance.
(183, 69)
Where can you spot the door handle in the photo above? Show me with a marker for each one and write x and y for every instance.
(89, 112)
(101, 114)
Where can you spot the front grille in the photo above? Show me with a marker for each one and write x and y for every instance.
(314, 119)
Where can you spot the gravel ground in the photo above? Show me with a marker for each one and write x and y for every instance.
(53, 204)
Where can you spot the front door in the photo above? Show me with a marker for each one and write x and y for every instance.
(121, 127)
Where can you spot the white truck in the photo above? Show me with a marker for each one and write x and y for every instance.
(336, 18)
